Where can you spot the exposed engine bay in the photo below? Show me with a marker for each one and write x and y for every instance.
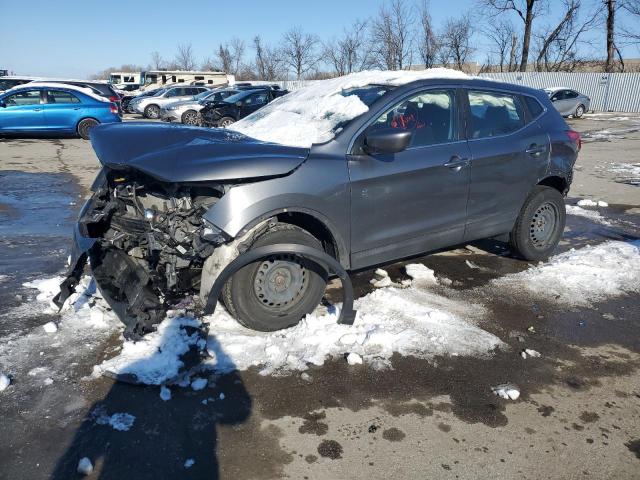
(151, 243)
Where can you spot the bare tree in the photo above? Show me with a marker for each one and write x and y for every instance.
(501, 36)
(527, 11)
(456, 42)
(513, 53)
(558, 46)
(392, 35)
(185, 59)
(268, 61)
(428, 42)
(350, 52)
(157, 62)
(299, 51)
(229, 56)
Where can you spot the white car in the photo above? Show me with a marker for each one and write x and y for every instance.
(150, 106)
(186, 111)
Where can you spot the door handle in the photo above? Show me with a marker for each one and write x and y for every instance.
(535, 149)
(37, 109)
(456, 163)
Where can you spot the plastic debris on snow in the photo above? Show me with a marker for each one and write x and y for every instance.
(5, 381)
(506, 391)
(165, 393)
(311, 114)
(189, 462)
(354, 359)
(85, 467)
(118, 421)
(584, 276)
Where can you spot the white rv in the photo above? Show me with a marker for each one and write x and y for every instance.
(152, 79)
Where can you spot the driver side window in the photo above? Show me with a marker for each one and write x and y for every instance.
(429, 115)
(30, 97)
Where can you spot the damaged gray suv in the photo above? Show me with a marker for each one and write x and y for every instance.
(364, 170)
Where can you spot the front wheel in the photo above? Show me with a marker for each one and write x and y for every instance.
(225, 122)
(152, 111)
(275, 292)
(540, 224)
(190, 117)
(579, 111)
(85, 125)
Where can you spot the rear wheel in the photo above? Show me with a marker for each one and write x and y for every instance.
(85, 125)
(224, 122)
(275, 292)
(190, 117)
(152, 111)
(540, 224)
(579, 111)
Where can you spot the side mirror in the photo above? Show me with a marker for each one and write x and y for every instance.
(387, 140)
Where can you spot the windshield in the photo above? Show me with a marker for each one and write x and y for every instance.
(202, 95)
(158, 92)
(369, 94)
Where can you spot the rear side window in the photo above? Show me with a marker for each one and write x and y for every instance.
(430, 115)
(494, 113)
(533, 105)
(58, 96)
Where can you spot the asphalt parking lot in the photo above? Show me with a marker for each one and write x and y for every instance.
(578, 414)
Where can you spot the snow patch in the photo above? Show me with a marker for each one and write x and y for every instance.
(354, 359)
(421, 275)
(118, 421)
(590, 214)
(50, 327)
(5, 381)
(189, 462)
(165, 393)
(506, 391)
(198, 384)
(311, 114)
(584, 276)
(85, 467)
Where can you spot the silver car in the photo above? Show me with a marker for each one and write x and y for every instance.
(568, 101)
(186, 111)
(150, 106)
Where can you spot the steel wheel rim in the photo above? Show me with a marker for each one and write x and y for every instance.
(280, 282)
(543, 225)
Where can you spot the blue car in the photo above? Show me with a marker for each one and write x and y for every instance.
(54, 108)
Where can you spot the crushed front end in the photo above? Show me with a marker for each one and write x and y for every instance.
(146, 242)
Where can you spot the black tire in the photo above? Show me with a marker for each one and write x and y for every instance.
(580, 109)
(224, 122)
(85, 125)
(152, 112)
(540, 224)
(190, 117)
(250, 297)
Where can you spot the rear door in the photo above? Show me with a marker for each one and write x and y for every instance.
(62, 110)
(509, 153)
(415, 200)
(23, 112)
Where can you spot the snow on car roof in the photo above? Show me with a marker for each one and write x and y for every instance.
(87, 91)
(309, 115)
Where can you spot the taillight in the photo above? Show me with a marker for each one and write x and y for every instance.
(113, 108)
(114, 99)
(575, 138)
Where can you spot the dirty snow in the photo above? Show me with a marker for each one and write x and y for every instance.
(506, 391)
(587, 202)
(310, 115)
(584, 276)
(118, 421)
(421, 275)
(593, 215)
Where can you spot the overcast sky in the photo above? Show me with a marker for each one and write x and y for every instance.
(78, 38)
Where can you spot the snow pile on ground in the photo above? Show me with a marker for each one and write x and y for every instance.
(118, 421)
(590, 214)
(587, 202)
(582, 277)
(409, 321)
(156, 358)
(311, 114)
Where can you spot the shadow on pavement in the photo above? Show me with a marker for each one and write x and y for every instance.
(164, 435)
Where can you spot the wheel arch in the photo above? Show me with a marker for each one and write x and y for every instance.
(561, 184)
(313, 222)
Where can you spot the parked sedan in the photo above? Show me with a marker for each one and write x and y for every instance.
(348, 173)
(127, 99)
(237, 106)
(186, 111)
(568, 102)
(150, 106)
(54, 108)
